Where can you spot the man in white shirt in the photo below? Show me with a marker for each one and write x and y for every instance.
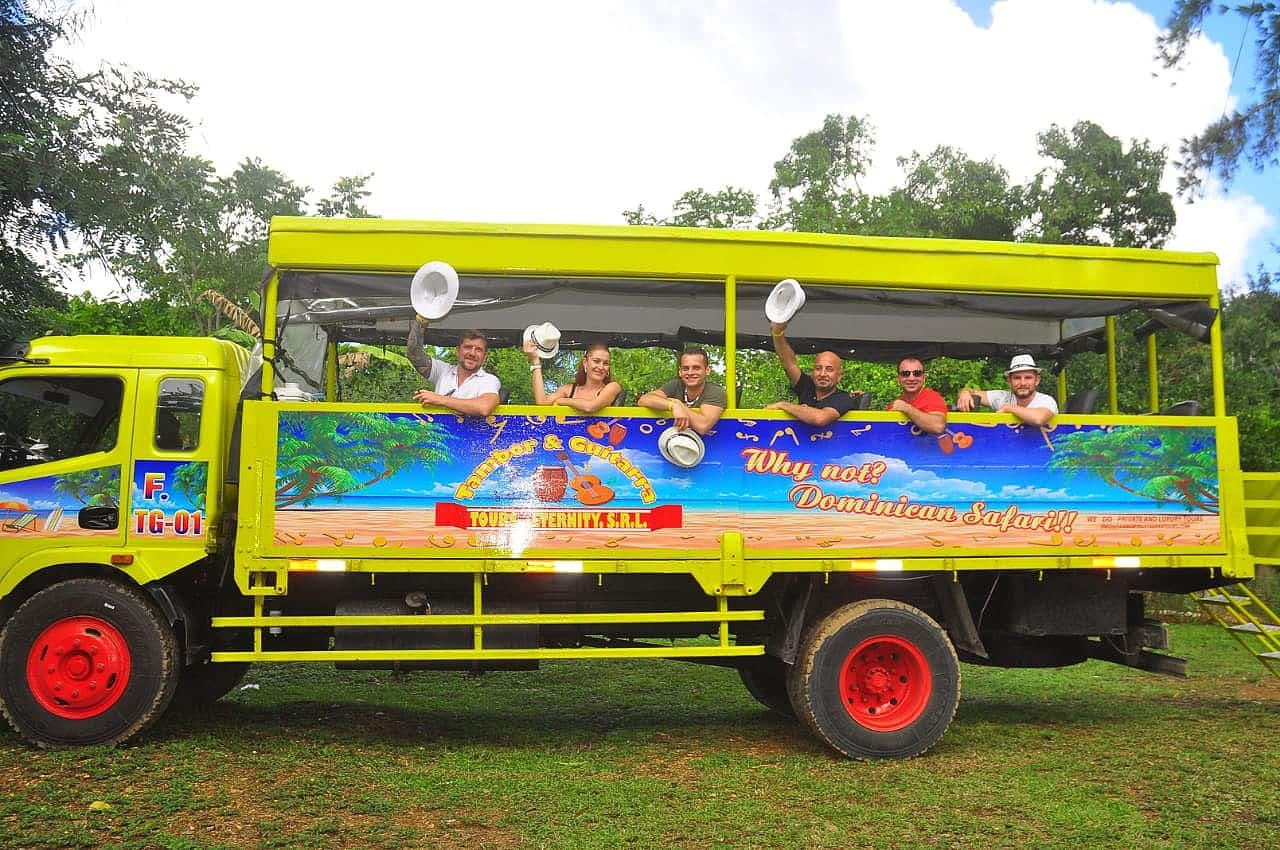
(465, 388)
(1021, 399)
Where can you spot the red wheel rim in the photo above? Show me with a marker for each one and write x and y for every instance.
(885, 683)
(78, 667)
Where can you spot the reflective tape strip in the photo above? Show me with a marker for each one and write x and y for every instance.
(557, 566)
(323, 565)
(1120, 562)
(880, 565)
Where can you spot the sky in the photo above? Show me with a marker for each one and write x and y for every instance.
(572, 111)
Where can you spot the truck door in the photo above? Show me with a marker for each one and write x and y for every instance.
(64, 446)
(169, 498)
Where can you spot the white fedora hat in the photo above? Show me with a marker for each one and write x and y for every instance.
(784, 301)
(546, 337)
(683, 448)
(434, 289)
(1021, 363)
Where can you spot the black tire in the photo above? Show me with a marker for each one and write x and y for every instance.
(86, 661)
(766, 680)
(205, 682)
(876, 679)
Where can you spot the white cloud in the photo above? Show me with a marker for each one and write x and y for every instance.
(1227, 225)
(574, 110)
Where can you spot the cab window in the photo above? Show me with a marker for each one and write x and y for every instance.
(51, 418)
(178, 410)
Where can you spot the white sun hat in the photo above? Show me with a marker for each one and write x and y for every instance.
(784, 301)
(546, 337)
(683, 448)
(434, 289)
(1021, 363)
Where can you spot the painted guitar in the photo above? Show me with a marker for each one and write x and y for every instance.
(587, 487)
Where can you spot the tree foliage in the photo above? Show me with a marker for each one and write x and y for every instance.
(1249, 131)
(96, 169)
(1099, 193)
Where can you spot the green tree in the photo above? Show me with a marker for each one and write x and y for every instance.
(1098, 193)
(1248, 131)
(946, 194)
(815, 185)
(1251, 342)
(730, 208)
(346, 198)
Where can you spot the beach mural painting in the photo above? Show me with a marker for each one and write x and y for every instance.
(444, 484)
(48, 505)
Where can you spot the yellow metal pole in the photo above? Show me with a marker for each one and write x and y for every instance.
(1062, 386)
(1113, 389)
(1153, 377)
(270, 294)
(1215, 349)
(257, 631)
(722, 605)
(475, 600)
(331, 372)
(731, 341)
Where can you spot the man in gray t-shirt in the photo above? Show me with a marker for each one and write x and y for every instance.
(1021, 399)
(690, 399)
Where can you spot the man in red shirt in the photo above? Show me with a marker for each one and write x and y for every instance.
(923, 406)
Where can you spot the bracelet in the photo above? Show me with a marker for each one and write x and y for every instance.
(535, 367)
(777, 334)
(671, 405)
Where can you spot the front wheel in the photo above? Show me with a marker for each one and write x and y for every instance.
(876, 679)
(86, 661)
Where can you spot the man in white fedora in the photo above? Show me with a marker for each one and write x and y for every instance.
(1022, 399)
(465, 388)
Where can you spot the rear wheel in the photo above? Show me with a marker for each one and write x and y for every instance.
(86, 661)
(876, 679)
(766, 680)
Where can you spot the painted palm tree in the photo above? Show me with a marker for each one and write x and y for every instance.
(1174, 465)
(97, 487)
(332, 454)
(192, 480)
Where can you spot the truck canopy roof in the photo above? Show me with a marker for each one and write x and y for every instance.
(879, 297)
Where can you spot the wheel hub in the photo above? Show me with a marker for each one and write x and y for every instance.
(78, 667)
(885, 683)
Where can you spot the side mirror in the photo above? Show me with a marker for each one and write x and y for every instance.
(100, 518)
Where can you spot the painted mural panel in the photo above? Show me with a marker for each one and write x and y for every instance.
(48, 505)
(168, 499)
(447, 485)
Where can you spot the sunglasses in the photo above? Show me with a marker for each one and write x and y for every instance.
(911, 373)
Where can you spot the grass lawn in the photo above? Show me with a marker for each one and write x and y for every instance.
(663, 754)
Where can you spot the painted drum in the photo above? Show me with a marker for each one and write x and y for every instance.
(550, 483)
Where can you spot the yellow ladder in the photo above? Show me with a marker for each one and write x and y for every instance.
(1239, 610)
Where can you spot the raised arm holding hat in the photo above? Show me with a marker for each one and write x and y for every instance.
(821, 401)
(593, 387)
(465, 388)
(1022, 399)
